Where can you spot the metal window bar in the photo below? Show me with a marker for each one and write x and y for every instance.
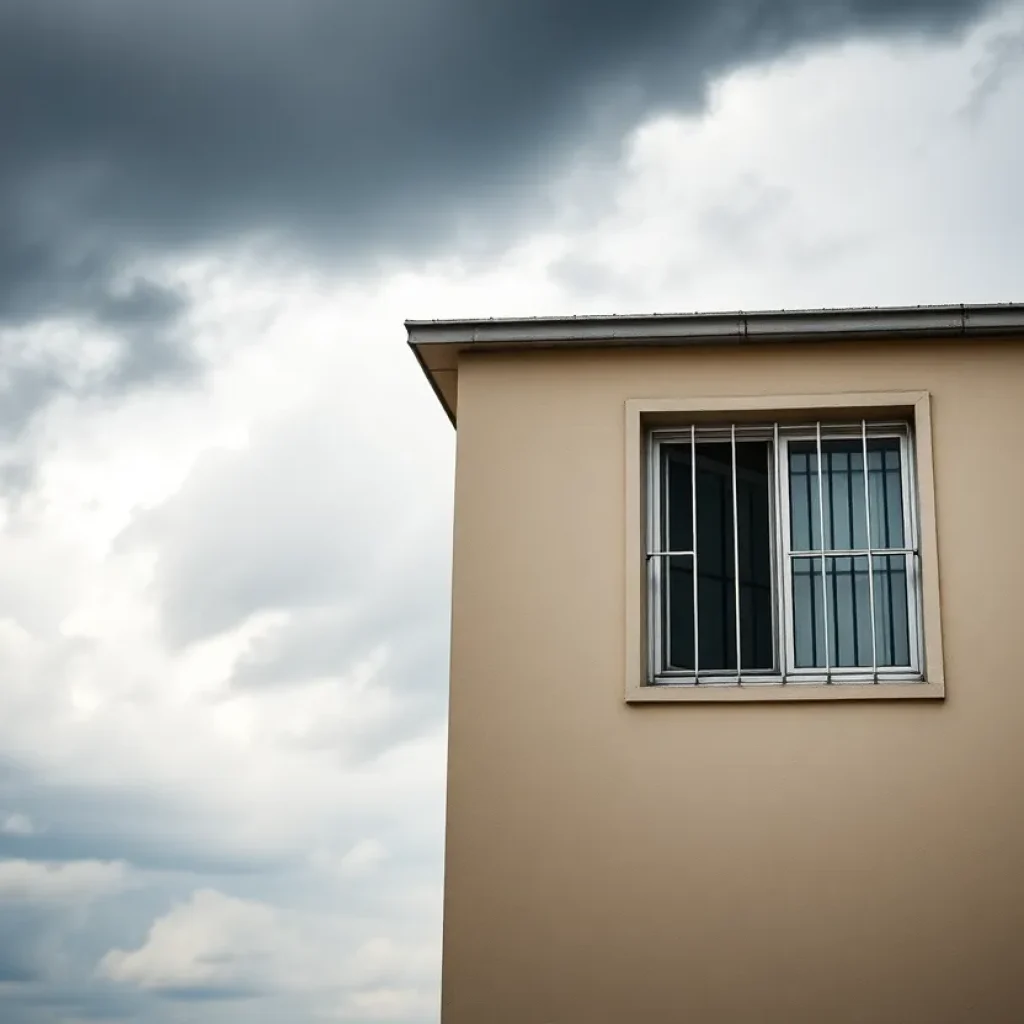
(871, 557)
(778, 565)
(843, 552)
(821, 541)
(665, 570)
(791, 431)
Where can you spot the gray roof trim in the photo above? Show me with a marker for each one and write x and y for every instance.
(454, 336)
(790, 325)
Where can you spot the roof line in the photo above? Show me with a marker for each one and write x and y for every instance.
(437, 343)
(669, 328)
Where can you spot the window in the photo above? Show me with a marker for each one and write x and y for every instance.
(783, 553)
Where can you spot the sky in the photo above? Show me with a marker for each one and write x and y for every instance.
(225, 486)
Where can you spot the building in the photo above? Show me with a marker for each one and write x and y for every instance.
(787, 794)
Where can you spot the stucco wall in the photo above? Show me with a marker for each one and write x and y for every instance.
(821, 862)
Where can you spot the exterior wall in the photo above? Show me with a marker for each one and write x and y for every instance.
(821, 862)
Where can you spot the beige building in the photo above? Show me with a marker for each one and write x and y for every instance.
(737, 693)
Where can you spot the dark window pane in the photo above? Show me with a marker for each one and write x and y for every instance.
(677, 613)
(803, 496)
(850, 607)
(803, 509)
(858, 519)
(808, 617)
(886, 488)
(847, 598)
(676, 500)
(716, 558)
(892, 617)
(842, 487)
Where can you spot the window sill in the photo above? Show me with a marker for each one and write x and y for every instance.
(661, 693)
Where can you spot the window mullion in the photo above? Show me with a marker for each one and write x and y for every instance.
(780, 559)
(736, 557)
(787, 624)
(665, 543)
(654, 574)
(871, 557)
(693, 545)
(821, 540)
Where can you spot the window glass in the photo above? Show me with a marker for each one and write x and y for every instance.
(842, 491)
(716, 558)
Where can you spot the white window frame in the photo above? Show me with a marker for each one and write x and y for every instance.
(779, 437)
(656, 555)
(911, 551)
(642, 415)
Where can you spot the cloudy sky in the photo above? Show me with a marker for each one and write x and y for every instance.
(225, 509)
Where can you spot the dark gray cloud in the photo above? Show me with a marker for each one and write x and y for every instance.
(23, 941)
(144, 320)
(209, 993)
(44, 977)
(1004, 54)
(129, 127)
(146, 353)
(54, 1005)
(50, 949)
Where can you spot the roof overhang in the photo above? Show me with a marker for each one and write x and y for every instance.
(438, 344)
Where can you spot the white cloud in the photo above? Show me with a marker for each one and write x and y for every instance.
(16, 825)
(213, 940)
(842, 176)
(217, 942)
(25, 881)
(361, 859)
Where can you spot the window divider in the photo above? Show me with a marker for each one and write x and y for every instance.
(693, 544)
(871, 557)
(780, 564)
(736, 559)
(821, 541)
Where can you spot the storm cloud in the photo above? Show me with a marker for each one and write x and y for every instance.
(351, 128)
(343, 131)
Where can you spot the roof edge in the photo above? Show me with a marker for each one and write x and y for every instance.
(661, 328)
(445, 339)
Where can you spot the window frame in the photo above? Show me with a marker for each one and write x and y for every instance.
(779, 439)
(911, 551)
(656, 676)
(906, 415)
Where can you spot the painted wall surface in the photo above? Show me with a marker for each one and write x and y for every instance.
(813, 862)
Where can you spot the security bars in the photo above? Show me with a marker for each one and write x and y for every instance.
(782, 554)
